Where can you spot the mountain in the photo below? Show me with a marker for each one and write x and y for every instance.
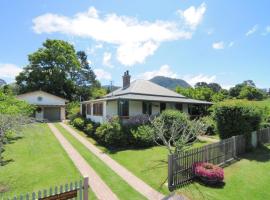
(2, 82)
(169, 83)
(108, 87)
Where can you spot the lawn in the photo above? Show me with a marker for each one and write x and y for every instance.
(121, 188)
(37, 161)
(149, 164)
(247, 179)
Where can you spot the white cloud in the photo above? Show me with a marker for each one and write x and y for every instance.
(9, 71)
(131, 53)
(164, 70)
(193, 16)
(192, 80)
(218, 45)
(102, 74)
(107, 56)
(135, 40)
(252, 30)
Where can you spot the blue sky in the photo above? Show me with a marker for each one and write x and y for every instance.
(213, 41)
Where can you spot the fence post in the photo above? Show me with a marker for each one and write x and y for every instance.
(170, 171)
(234, 147)
(85, 188)
(254, 140)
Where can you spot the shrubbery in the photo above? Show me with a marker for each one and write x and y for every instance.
(210, 125)
(236, 118)
(78, 123)
(110, 133)
(73, 110)
(143, 136)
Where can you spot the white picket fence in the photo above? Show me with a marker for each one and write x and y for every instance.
(74, 190)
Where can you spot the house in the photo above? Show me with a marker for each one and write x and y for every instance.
(49, 107)
(139, 97)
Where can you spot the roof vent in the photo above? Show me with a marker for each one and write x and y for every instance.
(126, 80)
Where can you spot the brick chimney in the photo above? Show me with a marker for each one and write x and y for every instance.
(126, 79)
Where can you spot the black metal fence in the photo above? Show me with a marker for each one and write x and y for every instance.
(180, 165)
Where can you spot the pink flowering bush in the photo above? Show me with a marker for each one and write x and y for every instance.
(208, 172)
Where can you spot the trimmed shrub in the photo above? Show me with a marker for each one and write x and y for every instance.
(236, 118)
(171, 116)
(110, 133)
(78, 123)
(208, 172)
(143, 136)
(89, 128)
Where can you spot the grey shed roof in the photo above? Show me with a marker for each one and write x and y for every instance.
(148, 91)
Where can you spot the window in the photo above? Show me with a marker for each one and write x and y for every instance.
(123, 108)
(179, 106)
(98, 109)
(39, 98)
(88, 109)
(147, 108)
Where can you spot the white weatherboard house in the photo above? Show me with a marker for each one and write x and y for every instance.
(136, 98)
(49, 107)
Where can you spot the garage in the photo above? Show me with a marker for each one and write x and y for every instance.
(52, 113)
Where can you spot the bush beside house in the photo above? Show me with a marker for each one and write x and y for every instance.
(236, 118)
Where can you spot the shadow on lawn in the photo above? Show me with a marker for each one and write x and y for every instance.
(260, 154)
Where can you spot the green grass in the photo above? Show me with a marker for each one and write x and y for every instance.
(149, 164)
(247, 179)
(115, 182)
(37, 162)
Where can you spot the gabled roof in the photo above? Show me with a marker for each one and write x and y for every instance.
(143, 87)
(41, 92)
(147, 91)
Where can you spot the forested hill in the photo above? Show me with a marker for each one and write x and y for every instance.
(169, 83)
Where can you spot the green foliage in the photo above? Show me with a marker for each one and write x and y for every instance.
(73, 110)
(200, 93)
(110, 133)
(210, 125)
(89, 128)
(236, 118)
(143, 136)
(9, 104)
(57, 68)
(98, 92)
(251, 93)
(78, 123)
(170, 116)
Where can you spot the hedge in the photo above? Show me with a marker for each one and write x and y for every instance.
(236, 118)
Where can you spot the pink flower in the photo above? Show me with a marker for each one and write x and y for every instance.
(208, 171)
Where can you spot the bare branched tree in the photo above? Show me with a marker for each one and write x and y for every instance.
(10, 124)
(179, 135)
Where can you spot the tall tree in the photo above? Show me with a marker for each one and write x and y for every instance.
(201, 84)
(58, 69)
(215, 87)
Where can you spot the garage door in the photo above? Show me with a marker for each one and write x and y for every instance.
(52, 113)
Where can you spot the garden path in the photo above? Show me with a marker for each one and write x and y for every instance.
(101, 190)
(129, 177)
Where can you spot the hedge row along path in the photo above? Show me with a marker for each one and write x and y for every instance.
(130, 178)
(101, 190)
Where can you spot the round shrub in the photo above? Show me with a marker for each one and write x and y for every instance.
(78, 123)
(143, 136)
(236, 118)
(110, 133)
(208, 172)
(89, 129)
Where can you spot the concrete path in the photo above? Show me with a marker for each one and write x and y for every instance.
(102, 191)
(131, 179)
(208, 139)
